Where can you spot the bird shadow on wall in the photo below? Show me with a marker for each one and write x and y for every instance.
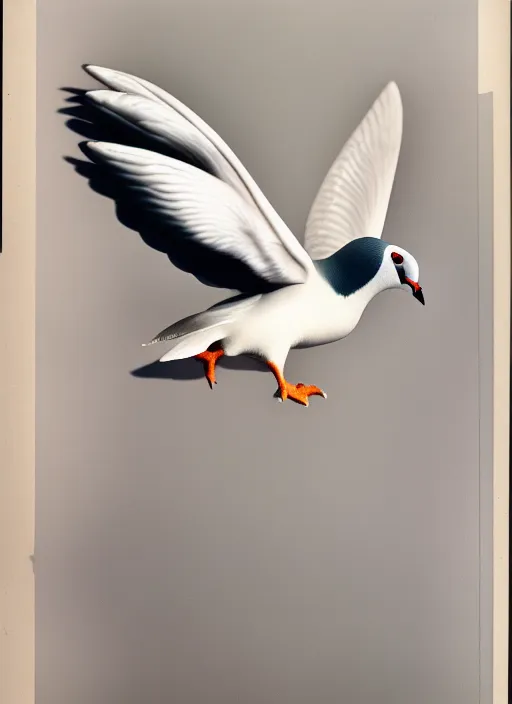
(210, 268)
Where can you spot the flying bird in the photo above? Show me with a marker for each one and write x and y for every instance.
(308, 295)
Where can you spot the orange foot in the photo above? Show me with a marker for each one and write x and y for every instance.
(295, 392)
(210, 360)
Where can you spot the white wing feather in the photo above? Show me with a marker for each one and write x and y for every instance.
(206, 209)
(161, 116)
(159, 122)
(354, 197)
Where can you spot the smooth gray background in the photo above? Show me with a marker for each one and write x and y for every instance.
(196, 546)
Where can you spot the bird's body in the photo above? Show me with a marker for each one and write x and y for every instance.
(298, 316)
(318, 293)
(303, 315)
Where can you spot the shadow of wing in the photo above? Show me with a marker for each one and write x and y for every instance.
(187, 369)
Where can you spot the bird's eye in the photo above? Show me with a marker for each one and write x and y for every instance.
(397, 258)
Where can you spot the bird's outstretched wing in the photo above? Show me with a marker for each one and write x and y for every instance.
(353, 199)
(162, 118)
(206, 209)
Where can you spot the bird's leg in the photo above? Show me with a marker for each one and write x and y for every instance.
(210, 360)
(296, 392)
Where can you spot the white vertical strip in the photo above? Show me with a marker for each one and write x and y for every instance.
(17, 355)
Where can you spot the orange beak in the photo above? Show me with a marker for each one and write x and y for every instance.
(417, 291)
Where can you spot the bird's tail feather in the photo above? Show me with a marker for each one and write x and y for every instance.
(194, 334)
(195, 343)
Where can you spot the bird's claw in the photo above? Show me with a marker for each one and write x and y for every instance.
(299, 393)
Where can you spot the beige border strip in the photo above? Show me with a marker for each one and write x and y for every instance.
(17, 362)
(494, 76)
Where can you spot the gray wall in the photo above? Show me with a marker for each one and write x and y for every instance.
(196, 546)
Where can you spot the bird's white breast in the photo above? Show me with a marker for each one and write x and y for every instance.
(303, 315)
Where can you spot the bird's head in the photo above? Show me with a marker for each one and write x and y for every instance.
(400, 270)
(372, 265)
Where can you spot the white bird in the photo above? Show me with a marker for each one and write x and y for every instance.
(310, 295)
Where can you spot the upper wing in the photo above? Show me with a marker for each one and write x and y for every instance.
(205, 209)
(160, 116)
(353, 199)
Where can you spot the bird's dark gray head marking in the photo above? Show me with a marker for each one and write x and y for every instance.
(354, 265)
